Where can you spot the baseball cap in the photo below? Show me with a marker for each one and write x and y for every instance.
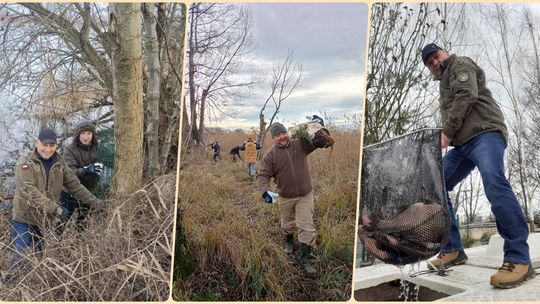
(428, 50)
(47, 136)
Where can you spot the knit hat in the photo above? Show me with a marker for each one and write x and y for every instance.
(47, 136)
(428, 50)
(277, 128)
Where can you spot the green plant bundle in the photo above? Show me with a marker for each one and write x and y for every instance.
(314, 133)
(300, 131)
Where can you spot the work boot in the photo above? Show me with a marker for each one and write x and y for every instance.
(448, 259)
(305, 252)
(289, 245)
(512, 275)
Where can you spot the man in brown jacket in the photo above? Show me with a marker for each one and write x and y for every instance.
(40, 177)
(286, 162)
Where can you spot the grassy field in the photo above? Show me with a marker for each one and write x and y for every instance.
(124, 254)
(232, 241)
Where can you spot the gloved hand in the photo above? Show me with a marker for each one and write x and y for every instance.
(63, 214)
(96, 168)
(270, 197)
(99, 206)
(315, 118)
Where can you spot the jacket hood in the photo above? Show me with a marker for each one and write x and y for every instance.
(85, 126)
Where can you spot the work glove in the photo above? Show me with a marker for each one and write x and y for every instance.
(96, 168)
(270, 197)
(63, 214)
(99, 206)
(315, 118)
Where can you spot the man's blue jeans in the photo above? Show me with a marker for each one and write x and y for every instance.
(251, 169)
(486, 152)
(25, 236)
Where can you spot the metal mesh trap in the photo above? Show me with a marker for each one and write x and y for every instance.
(404, 213)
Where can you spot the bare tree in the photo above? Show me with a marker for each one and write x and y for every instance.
(68, 44)
(471, 197)
(398, 32)
(219, 38)
(504, 65)
(286, 77)
(171, 32)
(64, 68)
(125, 24)
(152, 92)
(400, 96)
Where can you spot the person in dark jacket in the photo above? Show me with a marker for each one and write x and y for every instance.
(473, 123)
(235, 151)
(82, 157)
(217, 150)
(286, 162)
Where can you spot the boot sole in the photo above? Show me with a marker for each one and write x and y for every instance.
(448, 265)
(529, 275)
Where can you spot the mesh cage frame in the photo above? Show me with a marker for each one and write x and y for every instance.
(404, 214)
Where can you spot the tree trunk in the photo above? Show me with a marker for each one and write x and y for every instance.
(262, 130)
(152, 91)
(201, 114)
(186, 131)
(126, 27)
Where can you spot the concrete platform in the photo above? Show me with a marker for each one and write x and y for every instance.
(469, 282)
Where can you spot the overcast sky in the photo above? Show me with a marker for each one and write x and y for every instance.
(328, 40)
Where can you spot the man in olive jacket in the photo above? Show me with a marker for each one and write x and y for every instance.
(286, 162)
(473, 123)
(40, 177)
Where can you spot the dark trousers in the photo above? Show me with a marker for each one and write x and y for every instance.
(73, 205)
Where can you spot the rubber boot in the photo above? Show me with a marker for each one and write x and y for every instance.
(305, 252)
(289, 245)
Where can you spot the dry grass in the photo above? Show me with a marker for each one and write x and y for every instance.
(123, 254)
(232, 246)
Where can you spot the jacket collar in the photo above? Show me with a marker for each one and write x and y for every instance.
(447, 62)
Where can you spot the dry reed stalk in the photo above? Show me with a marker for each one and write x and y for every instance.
(123, 254)
(233, 240)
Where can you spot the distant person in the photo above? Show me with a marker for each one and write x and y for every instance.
(217, 150)
(82, 157)
(473, 123)
(286, 162)
(40, 177)
(250, 155)
(235, 151)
